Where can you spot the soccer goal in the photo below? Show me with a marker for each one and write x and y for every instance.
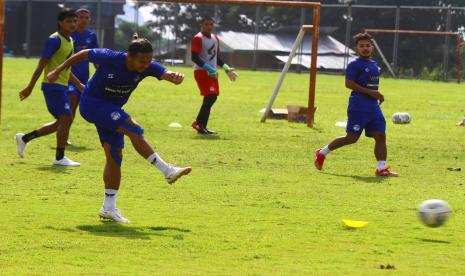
(298, 42)
(171, 22)
(457, 36)
(314, 27)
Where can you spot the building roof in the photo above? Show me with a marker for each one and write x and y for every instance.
(279, 42)
(330, 51)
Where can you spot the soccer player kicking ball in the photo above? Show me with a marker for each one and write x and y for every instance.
(58, 47)
(83, 39)
(101, 103)
(364, 112)
(205, 50)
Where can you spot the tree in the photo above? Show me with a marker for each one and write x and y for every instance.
(181, 21)
(125, 31)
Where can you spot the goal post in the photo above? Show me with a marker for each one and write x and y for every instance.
(431, 33)
(298, 42)
(315, 6)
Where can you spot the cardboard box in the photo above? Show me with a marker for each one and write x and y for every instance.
(297, 113)
(277, 113)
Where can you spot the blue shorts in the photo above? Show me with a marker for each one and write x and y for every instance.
(72, 90)
(368, 121)
(57, 101)
(106, 117)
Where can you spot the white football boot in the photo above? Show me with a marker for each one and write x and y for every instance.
(20, 145)
(65, 161)
(113, 215)
(175, 173)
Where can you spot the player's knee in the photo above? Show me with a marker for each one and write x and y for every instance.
(211, 99)
(379, 136)
(65, 119)
(352, 138)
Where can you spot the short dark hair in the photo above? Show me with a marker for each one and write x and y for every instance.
(362, 36)
(66, 13)
(206, 18)
(139, 45)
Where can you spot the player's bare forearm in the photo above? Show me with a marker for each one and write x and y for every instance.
(356, 87)
(38, 72)
(173, 77)
(23, 94)
(76, 82)
(74, 59)
(370, 92)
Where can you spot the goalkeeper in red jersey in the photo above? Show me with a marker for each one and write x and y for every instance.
(205, 55)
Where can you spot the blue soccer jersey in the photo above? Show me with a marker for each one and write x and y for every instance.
(365, 72)
(113, 82)
(52, 44)
(82, 41)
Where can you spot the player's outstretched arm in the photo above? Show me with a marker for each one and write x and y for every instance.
(372, 93)
(35, 76)
(76, 58)
(173, 77)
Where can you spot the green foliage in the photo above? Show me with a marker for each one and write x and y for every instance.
(125, 30)
(254, 204)
(236, 18)
(405, 72)
(437, 74)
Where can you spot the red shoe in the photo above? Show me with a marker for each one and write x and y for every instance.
(386, 172)
(200, 129)
(319, 159)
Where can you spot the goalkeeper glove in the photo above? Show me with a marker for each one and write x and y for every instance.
(232, 75)
(211, 71)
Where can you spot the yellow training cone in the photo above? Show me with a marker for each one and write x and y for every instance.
(354, 224)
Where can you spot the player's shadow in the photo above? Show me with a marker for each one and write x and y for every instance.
(207, 137)
(318, 129)
(74, 148)
(112, 229)
(55, 169)
(433, 241)
(367, 179)
(167, 228)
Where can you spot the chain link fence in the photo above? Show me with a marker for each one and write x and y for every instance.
(255, 38)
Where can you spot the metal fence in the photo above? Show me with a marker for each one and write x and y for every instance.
(28, 22)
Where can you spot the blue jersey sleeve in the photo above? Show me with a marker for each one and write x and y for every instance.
(51, 46)
(156, 70)
(352, 71)
(101, 56)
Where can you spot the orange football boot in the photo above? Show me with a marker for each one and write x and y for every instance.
(319, 159)
(386, 172)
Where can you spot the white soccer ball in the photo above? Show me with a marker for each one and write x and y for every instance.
(401, 118)
(433, 212)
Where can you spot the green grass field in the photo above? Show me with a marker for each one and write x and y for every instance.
(254, 204)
